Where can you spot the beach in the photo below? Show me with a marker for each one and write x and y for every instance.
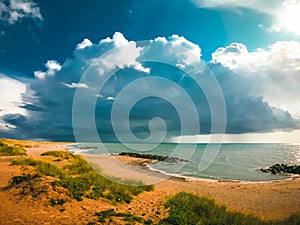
(268, 200)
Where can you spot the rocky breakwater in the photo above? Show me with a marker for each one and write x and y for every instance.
(153, 157)
(282, 168)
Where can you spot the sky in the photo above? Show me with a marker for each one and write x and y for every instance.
(131, 70)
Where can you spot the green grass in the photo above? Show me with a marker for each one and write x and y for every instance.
(82, 180)
(6, 150)
(108, 216)
(188, 209)
(59, 154)
(42, 167)
(103, 216)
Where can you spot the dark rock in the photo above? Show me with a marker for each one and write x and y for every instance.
(282, 168)
(153, 157)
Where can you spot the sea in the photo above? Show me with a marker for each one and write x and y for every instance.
(232, 162)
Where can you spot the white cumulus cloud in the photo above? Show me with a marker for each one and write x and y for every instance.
(52, 67)
(13, 11)
(118, 40)
(176, 50)
(121, 53)
(276, 70)
(231, 56)
(85, 43)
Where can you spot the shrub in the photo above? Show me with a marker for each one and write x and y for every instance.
(20, 179)
(6, 150)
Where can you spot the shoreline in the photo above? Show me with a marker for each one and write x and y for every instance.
(146, 165)
(84, 151)
(35, 148)
(57, 146)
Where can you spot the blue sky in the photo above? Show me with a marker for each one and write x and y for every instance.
(251, 49)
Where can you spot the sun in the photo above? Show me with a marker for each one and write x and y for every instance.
(288, 19)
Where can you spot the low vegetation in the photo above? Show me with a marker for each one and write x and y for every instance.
(80, 179)
(59, 154)
(188, 209)
(28, 184)
(42, 167)
(10, 150)
(108, 216)
(20, 179)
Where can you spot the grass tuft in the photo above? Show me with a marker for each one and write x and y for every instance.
(7, 150)
(189, 209)
(42, 167)
(59, 154)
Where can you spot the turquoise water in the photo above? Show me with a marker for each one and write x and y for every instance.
(233, 161)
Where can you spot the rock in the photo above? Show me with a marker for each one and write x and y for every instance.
(282, 168)
(153, 157)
